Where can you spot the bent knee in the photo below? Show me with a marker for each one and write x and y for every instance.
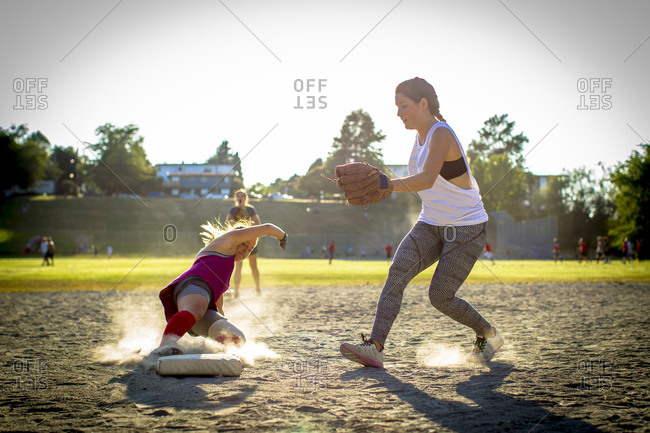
(225, 332)
(197, 312)
(439, 299)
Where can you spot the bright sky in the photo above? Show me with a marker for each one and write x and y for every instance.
(191, 74)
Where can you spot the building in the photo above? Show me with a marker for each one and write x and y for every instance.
(196, 180)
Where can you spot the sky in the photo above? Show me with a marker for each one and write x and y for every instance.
(277, 79)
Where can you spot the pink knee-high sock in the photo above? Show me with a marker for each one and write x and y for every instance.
(179, 324)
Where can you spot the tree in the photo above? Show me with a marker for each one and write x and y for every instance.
(498, 165)
(122, 165)
(312, 183)
(495, 138)
(24, 158)
(69, 170)
(587, 207)
(356, 142)
(284, 186)
(632, 197)
(224, 156)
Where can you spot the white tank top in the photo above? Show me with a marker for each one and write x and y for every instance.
(445, 203)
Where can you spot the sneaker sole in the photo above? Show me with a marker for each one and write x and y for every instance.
(348, 352)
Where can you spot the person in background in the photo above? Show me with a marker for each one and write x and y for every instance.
(389, 250)
(488, 253)
(50, 250)
(556, 250)
(582, 251)
(243, 211)
(44, 247)
(600, 251)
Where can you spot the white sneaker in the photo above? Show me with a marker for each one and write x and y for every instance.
(365, 353)
(485, 347)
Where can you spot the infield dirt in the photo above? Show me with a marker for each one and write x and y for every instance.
(575, 359)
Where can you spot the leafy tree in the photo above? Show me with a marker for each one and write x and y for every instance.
(632, 198)
(122, 165)
(225, 156)
(312, 183)
(285, 186)
(587, 207)
(259, 188)
(69, 170)
(356, 142)
(24, 158)
(497, 164)
(495, 138)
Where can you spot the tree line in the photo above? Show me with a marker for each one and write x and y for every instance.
(611, 201)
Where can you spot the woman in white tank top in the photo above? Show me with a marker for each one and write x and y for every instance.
(450, 229)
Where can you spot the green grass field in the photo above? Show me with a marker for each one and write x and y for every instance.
(142, 272)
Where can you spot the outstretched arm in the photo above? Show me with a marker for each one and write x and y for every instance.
(228, 242)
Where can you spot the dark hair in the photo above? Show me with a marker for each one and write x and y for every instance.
(416, 89)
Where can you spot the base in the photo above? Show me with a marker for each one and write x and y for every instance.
(199, 364)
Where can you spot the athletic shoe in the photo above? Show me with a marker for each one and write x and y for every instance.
(365, 353)
(167, 350)
(485, 348)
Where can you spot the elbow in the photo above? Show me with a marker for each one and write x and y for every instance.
(426, 183)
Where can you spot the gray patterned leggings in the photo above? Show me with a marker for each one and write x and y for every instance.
(457, 248)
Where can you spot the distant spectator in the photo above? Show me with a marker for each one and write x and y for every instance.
(331, 249)
(606, 249)
(628, 250)
(50, 250)
(582, 250)
(389, 250)
(624, 250)
(44, 247)
(638, 249)
(556, 250)
(600, 249)
(109, 251)
(488, 252)
(242, 210)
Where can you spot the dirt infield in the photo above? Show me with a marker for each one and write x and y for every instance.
(575, 359)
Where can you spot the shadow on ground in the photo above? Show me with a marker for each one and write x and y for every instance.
(492, 410)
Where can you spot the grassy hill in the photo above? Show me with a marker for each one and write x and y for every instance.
(170, 226)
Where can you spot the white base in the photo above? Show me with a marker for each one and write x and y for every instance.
(199, 364)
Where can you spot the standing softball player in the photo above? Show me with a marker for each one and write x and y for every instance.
(243, 211)
(450, 230)
(193, 301)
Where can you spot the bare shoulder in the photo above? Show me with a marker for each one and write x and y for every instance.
(443, 138)
(442, 134)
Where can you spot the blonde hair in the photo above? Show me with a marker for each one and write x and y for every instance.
(215, 229)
